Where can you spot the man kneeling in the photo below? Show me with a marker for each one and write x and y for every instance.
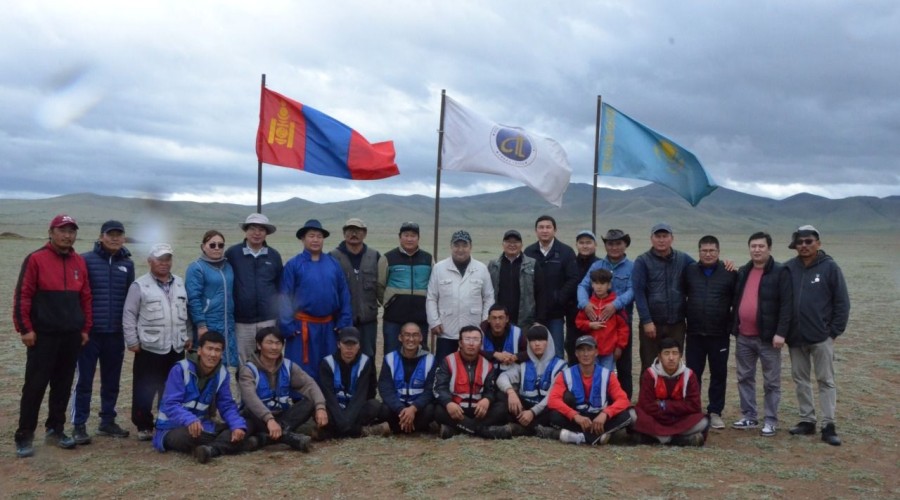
(277, 395)
(668, 408)
(348, 384)
(197, 387)
(588, 403)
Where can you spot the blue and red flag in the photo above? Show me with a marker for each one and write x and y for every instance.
(297, 136)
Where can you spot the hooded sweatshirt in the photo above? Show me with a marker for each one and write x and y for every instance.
(676, 412)
(821, 301)
(547, 361)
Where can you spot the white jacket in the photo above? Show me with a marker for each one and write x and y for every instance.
(454, 301)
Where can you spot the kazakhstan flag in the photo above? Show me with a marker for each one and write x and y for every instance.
(629, 149)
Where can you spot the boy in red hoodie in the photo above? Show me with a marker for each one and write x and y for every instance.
(611, 335)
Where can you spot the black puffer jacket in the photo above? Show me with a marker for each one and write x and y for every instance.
(709, 300)
(774, 303)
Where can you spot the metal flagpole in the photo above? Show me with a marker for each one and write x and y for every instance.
(262, 90)
(437, 191)
(596, 167)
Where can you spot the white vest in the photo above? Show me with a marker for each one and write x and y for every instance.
(162, 320)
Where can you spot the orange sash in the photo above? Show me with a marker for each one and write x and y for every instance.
(305, 319)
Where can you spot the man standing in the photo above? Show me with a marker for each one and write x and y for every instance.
(52, 312)
(360, 265)
(821, 312)
(110, 272)
(403, 276)
(504, 343)
(555, 279)
(459, 294)
(257, 277)
(585, 257)
(464, 389)
(406, 383)
(512, 276)
(155, 322)
(616, 243)
(658, 292)
(709, 289)
(762, 310)
(197, 388)
(277, 395)
(315, 301)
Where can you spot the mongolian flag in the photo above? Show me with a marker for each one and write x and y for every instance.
(297, 136)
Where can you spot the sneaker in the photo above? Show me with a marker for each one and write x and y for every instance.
(803, 429)
(203, 453)
(602, 439)
(715, 421)
(695, 439)
(768, 430)
(745, 423)
(378, 430)
(112, 429)
(80, 435)
(546, 432)
(24, 448)
(497, 432)
(59, 438)
(829, 435)
(298, 442)
(448, 431)
(567, 436)
(145, 434)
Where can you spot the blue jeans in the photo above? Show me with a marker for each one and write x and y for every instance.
(368, 332)
(556, 327)
(608, 362)
(109, 349)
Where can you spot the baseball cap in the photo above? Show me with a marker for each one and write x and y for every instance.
(111, 225)
(585, 232)
(348, 335)
(806, 230)
(354, 222)
(160, 249)
(662, 226)
(461, 236)
(512, 233)
(585, 340)
(63, 220)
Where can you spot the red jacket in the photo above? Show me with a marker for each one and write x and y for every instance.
(53, 294)
(614, 393)
(682, 409)
(613, 334)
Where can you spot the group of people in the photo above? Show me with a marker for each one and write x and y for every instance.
(537, 342)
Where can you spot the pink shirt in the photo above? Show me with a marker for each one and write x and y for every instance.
(750, 304)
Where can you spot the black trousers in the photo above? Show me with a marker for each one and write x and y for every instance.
(559, 420)
(698, 350)
(340, 426)
(496, 415)
(149, 374)
(50, 361)
(220, 441)
(289, 419)
(423, 418)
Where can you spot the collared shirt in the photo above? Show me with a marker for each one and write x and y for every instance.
(165, 285)
(263, 250)
(546, 249)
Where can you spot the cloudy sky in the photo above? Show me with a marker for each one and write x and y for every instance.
(162, 98)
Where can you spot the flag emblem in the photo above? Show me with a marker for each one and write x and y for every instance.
(512, 146)
(281, 129)
(668, 152)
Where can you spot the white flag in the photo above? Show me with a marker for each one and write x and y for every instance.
(475, 144)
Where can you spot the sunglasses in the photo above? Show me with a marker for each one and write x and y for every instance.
(805, 241)
(216, 245)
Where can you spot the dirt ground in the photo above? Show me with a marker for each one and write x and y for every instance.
(734, 464)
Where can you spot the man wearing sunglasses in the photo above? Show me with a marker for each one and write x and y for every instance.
(821, 311)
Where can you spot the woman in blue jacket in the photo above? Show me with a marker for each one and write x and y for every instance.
(209, 281)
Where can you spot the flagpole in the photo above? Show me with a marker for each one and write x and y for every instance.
(262, 91)
(596, 167)
(437, 191)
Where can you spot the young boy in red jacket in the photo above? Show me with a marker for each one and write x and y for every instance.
(611, 335)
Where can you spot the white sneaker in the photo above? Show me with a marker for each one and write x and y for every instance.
(768, 430)
(567, 436)
(715, 421)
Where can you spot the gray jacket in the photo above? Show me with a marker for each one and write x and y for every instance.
(821, 301)
(363, 284)
(526, 288)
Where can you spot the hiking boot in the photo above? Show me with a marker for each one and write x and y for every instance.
(497, 432)
(829, 435)
(378, 430)
(448, 431)
(145, 434)
(250, 443)
(24, 448)
(803, 429)
(745, 423)
(59, 438)
(546, 432)
(567, 436)
(112, 429)
(298, 442)
(768, 430)
(517, 430)
(715, 421)
(80, 435)
(203, 453)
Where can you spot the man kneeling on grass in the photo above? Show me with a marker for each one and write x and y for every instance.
(277, 395)
(668, 408)
(586, 400)
(197, 387)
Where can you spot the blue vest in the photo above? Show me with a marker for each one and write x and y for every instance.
(409, 392)
(282, 397)
(345, 393)
(194, 401)
(533, 388)
(596, 400)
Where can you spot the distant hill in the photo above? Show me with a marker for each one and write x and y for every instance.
(724, 211)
